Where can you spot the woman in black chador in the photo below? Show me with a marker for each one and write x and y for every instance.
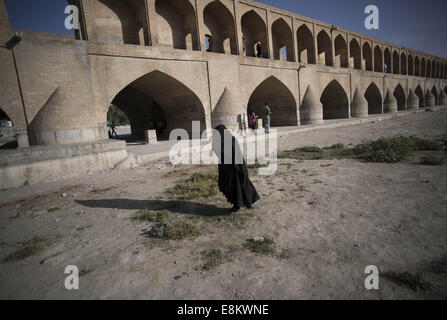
(233, 174)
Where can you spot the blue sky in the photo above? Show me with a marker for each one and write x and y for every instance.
(419, 25)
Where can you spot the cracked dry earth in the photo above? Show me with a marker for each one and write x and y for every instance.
(329, 219)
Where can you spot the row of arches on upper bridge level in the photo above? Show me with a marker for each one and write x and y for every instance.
(175, 25)
(161, 102)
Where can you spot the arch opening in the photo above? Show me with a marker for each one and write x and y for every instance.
(400, 96)
(388, 66)
(367, 56)
(280, 100)
(420, 93)
(159, 102)
(410, 65)
(378, 63)
(396, 63)
(403, 64)
(122, 22)
(335, 102)
(305, 40)
(355, 56)
(417, 67)
(176, 24)
(428, 71)
(423, 68)
(341, 51)
(282, 41)
(374, 98)
(254, 35)
(324, 49)
(221, 30)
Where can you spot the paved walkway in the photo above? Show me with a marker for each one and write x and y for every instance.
(145, 152)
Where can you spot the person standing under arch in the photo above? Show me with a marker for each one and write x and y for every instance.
(267, 115)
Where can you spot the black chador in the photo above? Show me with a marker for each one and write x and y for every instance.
(233, 174)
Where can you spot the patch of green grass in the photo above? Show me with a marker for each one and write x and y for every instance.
(432, 161)
(411, 281)
(29, 248)
(238, 219)
(176, 230)
(385, 150)
(426, 145)
(200, 185)
(257, 165)
(263, 246)
(211, 258)
(309, 149)
(152, 216)
(54, 209)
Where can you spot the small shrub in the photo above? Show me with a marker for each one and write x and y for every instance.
(257, 165)
(432, 161)
(263, 246)
(212, 258)
(152, 216)
(386, 150)
(425, 145)
(176, 230)
(309, 149)
(200, 185)
(54, 209)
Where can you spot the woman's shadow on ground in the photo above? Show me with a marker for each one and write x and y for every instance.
(175, 206)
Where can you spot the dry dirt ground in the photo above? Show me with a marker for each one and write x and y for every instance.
(329, 219)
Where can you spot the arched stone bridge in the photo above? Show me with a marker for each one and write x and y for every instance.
(175, 59)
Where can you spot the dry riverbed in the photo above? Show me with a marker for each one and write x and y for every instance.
(321, 221)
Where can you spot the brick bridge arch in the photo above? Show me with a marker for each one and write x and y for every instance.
(157, 95)
(280, 99)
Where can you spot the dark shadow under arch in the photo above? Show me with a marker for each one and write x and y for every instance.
(335, 101)
(280, 100)
(374, 98)
(434, 91)
(420, 93)
(400, 96)
(160, 98)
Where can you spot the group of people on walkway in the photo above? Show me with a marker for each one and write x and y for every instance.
(253, 118)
